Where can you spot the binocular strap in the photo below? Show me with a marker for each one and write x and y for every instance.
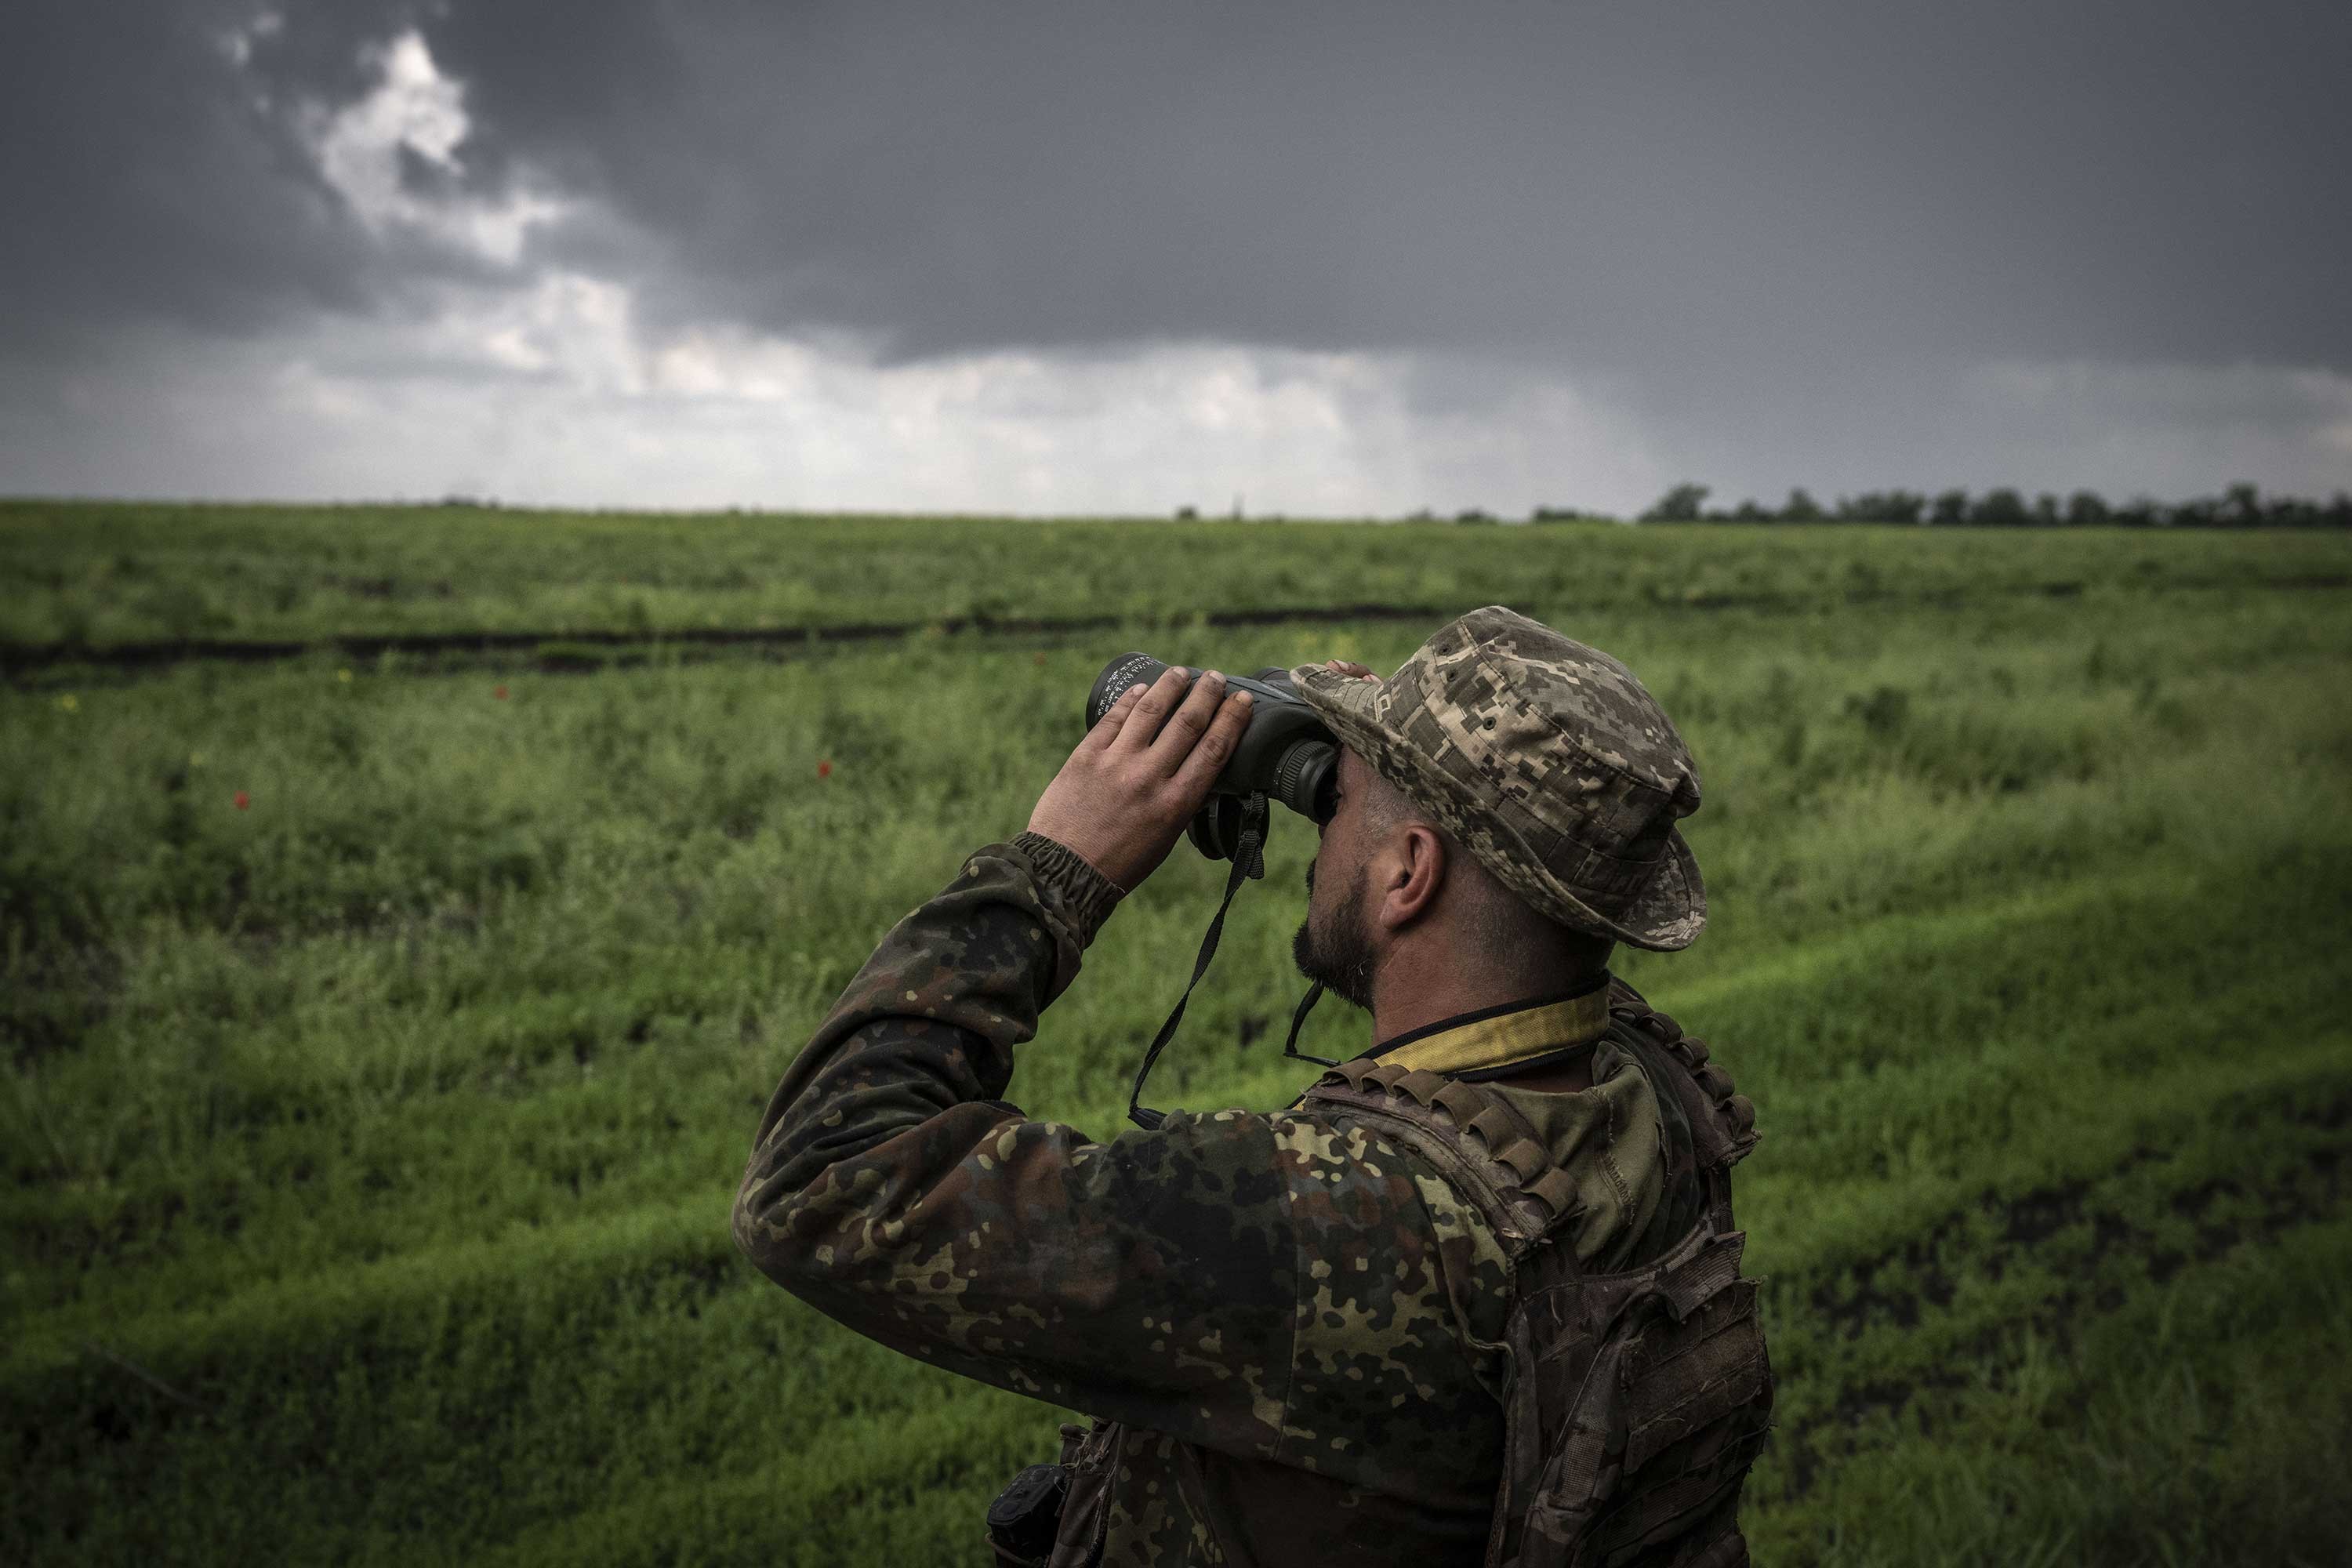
(1249, 861)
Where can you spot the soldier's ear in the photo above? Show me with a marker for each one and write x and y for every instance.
(1413, 876)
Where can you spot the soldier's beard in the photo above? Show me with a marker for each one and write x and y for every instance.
(1340, 953)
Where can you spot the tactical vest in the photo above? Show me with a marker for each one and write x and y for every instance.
(1636, 1400)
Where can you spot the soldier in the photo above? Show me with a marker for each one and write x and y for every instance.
(1475, 1296)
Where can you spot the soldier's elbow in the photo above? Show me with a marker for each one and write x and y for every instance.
(782, 1251)
(745, 1223)
(759, 1233)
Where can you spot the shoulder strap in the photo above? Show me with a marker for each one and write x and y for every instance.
(1497, 1161)
(1723, 1122)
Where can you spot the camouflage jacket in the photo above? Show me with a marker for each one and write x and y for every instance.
(1293, 1322)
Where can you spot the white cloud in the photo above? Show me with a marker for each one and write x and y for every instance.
(550, 394)
(553, 392)
(414, 107)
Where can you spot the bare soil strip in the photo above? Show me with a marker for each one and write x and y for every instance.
(2305, 1190)
(570, 649)
(558, 651)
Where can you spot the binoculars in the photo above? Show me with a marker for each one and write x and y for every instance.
(1286, 754)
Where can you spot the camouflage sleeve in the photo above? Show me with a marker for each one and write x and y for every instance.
(1196, 1280)
(928, 1026)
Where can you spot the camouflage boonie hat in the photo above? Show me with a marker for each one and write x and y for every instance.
(1547, 760)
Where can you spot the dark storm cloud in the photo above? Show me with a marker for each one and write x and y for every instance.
(155, 168)
(1739, 184)
(138, 179)
(1710, 188)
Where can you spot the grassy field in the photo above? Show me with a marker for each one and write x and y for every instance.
(93, 576)
(383, 1038)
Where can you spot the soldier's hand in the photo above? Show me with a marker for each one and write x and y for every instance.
(1348, 666)
(1142, 770)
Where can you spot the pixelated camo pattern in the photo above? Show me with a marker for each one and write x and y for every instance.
(1292, 1321)
(1546, 759)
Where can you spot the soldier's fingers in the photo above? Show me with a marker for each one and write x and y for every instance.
(1114, 719)
(1151, 710)
(1346, 667)
(1189, 723)
(1216, 748)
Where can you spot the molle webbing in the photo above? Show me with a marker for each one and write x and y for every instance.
(1481, 1131)
(1693, 1406)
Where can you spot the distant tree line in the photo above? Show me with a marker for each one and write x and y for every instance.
(2239, 506)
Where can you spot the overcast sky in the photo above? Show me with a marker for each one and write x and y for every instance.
(1330, 258)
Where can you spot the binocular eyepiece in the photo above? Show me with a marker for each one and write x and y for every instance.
(1286, 754)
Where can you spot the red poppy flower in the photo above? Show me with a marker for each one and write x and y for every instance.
(824, 770)
(500, 693)
(243, 801)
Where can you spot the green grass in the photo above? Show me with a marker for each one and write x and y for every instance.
(76, 575)
(370, 1149)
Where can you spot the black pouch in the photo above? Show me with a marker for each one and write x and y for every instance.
(1023, 1521)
